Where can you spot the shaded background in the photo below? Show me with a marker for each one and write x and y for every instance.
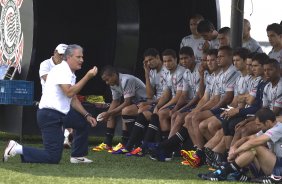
(114, 32)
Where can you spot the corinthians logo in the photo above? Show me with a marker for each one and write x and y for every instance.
(11, 37)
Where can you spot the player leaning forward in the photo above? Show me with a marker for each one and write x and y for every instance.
(58, 108)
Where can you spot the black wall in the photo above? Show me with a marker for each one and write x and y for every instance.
(70, 21)
(112, 32)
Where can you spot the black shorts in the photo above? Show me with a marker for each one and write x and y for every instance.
(229, 125)
(217, 112)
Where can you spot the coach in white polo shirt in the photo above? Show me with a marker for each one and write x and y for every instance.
(58, 108)
(45, 68)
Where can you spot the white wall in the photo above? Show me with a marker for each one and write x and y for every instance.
(260, 13)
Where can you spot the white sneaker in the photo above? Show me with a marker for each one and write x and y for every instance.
(10, 150)
(78, 160)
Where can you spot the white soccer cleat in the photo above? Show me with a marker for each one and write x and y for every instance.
(10, 150)
(80, 160)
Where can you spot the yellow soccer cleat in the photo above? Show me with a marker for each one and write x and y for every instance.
(102, 147)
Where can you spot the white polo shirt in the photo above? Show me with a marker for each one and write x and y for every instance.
(53, 96)
(44, 69)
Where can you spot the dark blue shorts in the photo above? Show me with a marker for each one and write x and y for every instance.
(136, 102)
(216, 112)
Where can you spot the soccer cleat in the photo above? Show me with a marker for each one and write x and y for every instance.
(203, 176)
(117, 147)
(191, 156)
(80, 160)
(160, 156)
(214, 176)
(237, 176)
(102, 147)
(10, 150)
(187, 154)
(186, 162)
(120, 151)
(136, 152)
(268, 179)
(157, 158)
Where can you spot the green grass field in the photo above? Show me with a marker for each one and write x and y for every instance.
(106, 168)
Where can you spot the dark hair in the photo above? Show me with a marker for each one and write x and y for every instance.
(187, 51)
(277, 28)
(265, 114)
(242, 52)
(205, 26)
(151, 52)
(261, 58)
(109, 70)
(252, 54)
(224, 30)
(212, 52)
(169, 52)
(227, 49)
(272, 62)
(197, 16)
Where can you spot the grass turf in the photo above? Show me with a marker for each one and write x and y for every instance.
(107, 168)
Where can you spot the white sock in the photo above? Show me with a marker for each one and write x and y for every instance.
(19, 149)
(66, 133)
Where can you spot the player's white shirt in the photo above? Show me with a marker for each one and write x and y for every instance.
(53, 96)
(129, 86)
(276, 55)
(45, 67)
(226, 81)
(158, 80)
(174, 81)
(195, 44)
(272, 95)
(210, 82)
(241, 84)
(275, 135)
(253, 85)
(191, 81)
(214, 44)
(252, 45)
